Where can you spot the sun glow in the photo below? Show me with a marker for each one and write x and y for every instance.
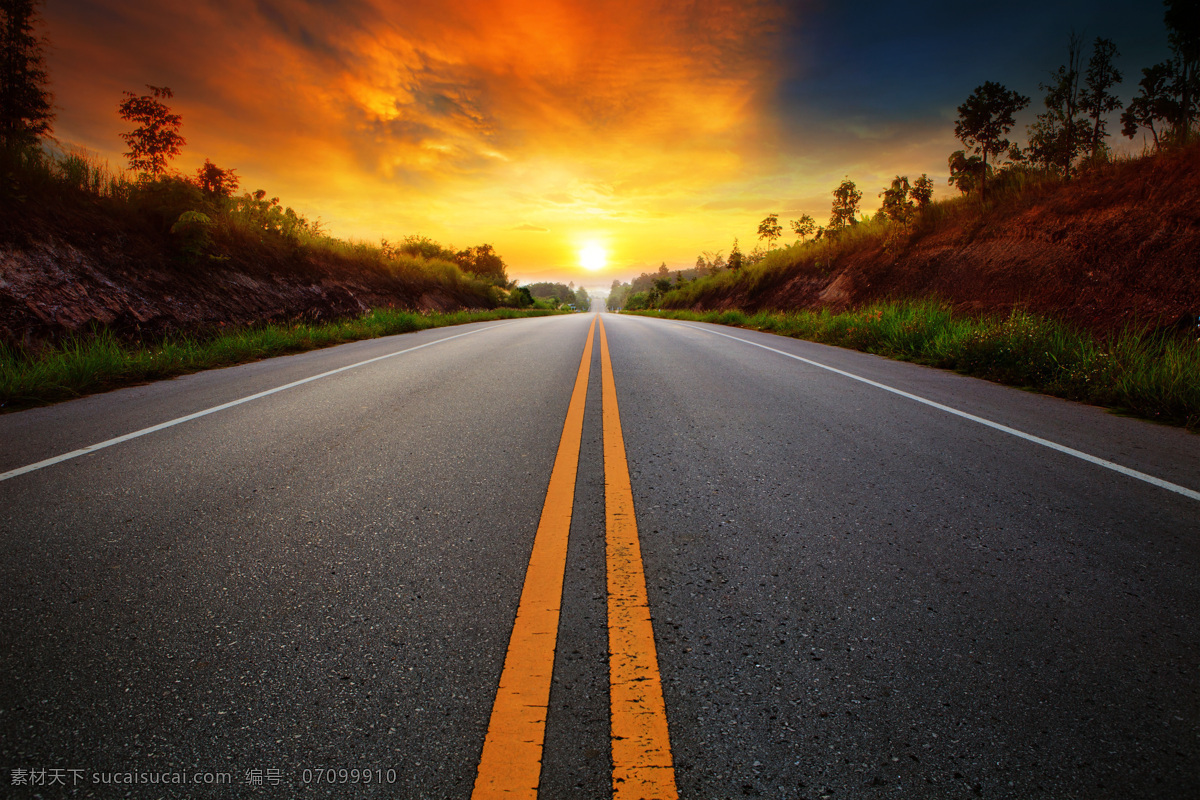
(593, 257)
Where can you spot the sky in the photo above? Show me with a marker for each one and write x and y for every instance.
(616, 134)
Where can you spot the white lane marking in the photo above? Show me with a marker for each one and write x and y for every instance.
(1132, 473)
(171, 423)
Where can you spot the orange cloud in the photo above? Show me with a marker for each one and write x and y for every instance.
(468, 121)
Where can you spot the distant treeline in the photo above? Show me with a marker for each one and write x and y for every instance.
(560, 295)
(647, 289)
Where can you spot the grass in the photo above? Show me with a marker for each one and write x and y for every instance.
(1148, 179)
(242, 231)
(1152, 376)
(100, 361)
(777, 266)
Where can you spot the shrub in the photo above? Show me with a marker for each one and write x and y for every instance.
(192, 231)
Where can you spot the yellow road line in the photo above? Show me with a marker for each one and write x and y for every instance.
(511, 764)
(641, 746)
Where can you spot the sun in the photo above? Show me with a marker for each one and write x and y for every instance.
(592, 257)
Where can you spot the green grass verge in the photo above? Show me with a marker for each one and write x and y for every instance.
(1156, 377)
(100, 361)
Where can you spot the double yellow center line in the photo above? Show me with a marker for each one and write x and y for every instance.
(511, 764)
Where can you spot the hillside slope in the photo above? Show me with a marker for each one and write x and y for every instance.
(1118, 247)
(69, 262)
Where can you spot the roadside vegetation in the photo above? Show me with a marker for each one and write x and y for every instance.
(195, 224)
(559, 295)
(101, 361)
(1152, 375)
(192, 235)
(201, 224)
(863, 280)
(1069, 139)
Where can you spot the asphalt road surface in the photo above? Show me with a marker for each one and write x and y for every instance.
(855, 591)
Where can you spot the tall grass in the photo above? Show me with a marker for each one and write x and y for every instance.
(1152, 376)
(37, 172)
(80, 170)
(99, 362)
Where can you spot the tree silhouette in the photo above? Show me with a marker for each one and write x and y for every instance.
(216, 182)
(1182, 18)
(922, 191)
(805, 226)
(1096, 99)
(485, 262)
(965, 171)
(984, 121)
(896, 203)
(770, 229)
(156, 139)
(1154, 102)
(1168, 92)
(845, 205)
(1056, 138)
(25, 108)
(736, 259)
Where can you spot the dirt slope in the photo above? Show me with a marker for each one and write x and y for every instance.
(66, 265)
(1119, 246)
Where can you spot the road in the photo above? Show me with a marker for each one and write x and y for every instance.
(854, 591)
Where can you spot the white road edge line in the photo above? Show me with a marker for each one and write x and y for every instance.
(1132, 473)
(171, 423)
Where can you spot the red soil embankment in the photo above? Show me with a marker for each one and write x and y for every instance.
(1119, 246)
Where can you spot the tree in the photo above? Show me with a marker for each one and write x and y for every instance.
(1096, 99)
(770, 229)
(520, 297)
(965, 171)
(25, 103)
(484, 262)
(896, 203)
(922, 191)
(617, 295)
(156, 139)
(216, 182)
(583, 301)
(735, 256)
(1154, 101)
(423, 246)
(1056, 138)
(805, 226)
(709, 262)
(556, 293)
(984, 121)
(1182, 18)
(845, 205)
(268, 215)
(1168, 92)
